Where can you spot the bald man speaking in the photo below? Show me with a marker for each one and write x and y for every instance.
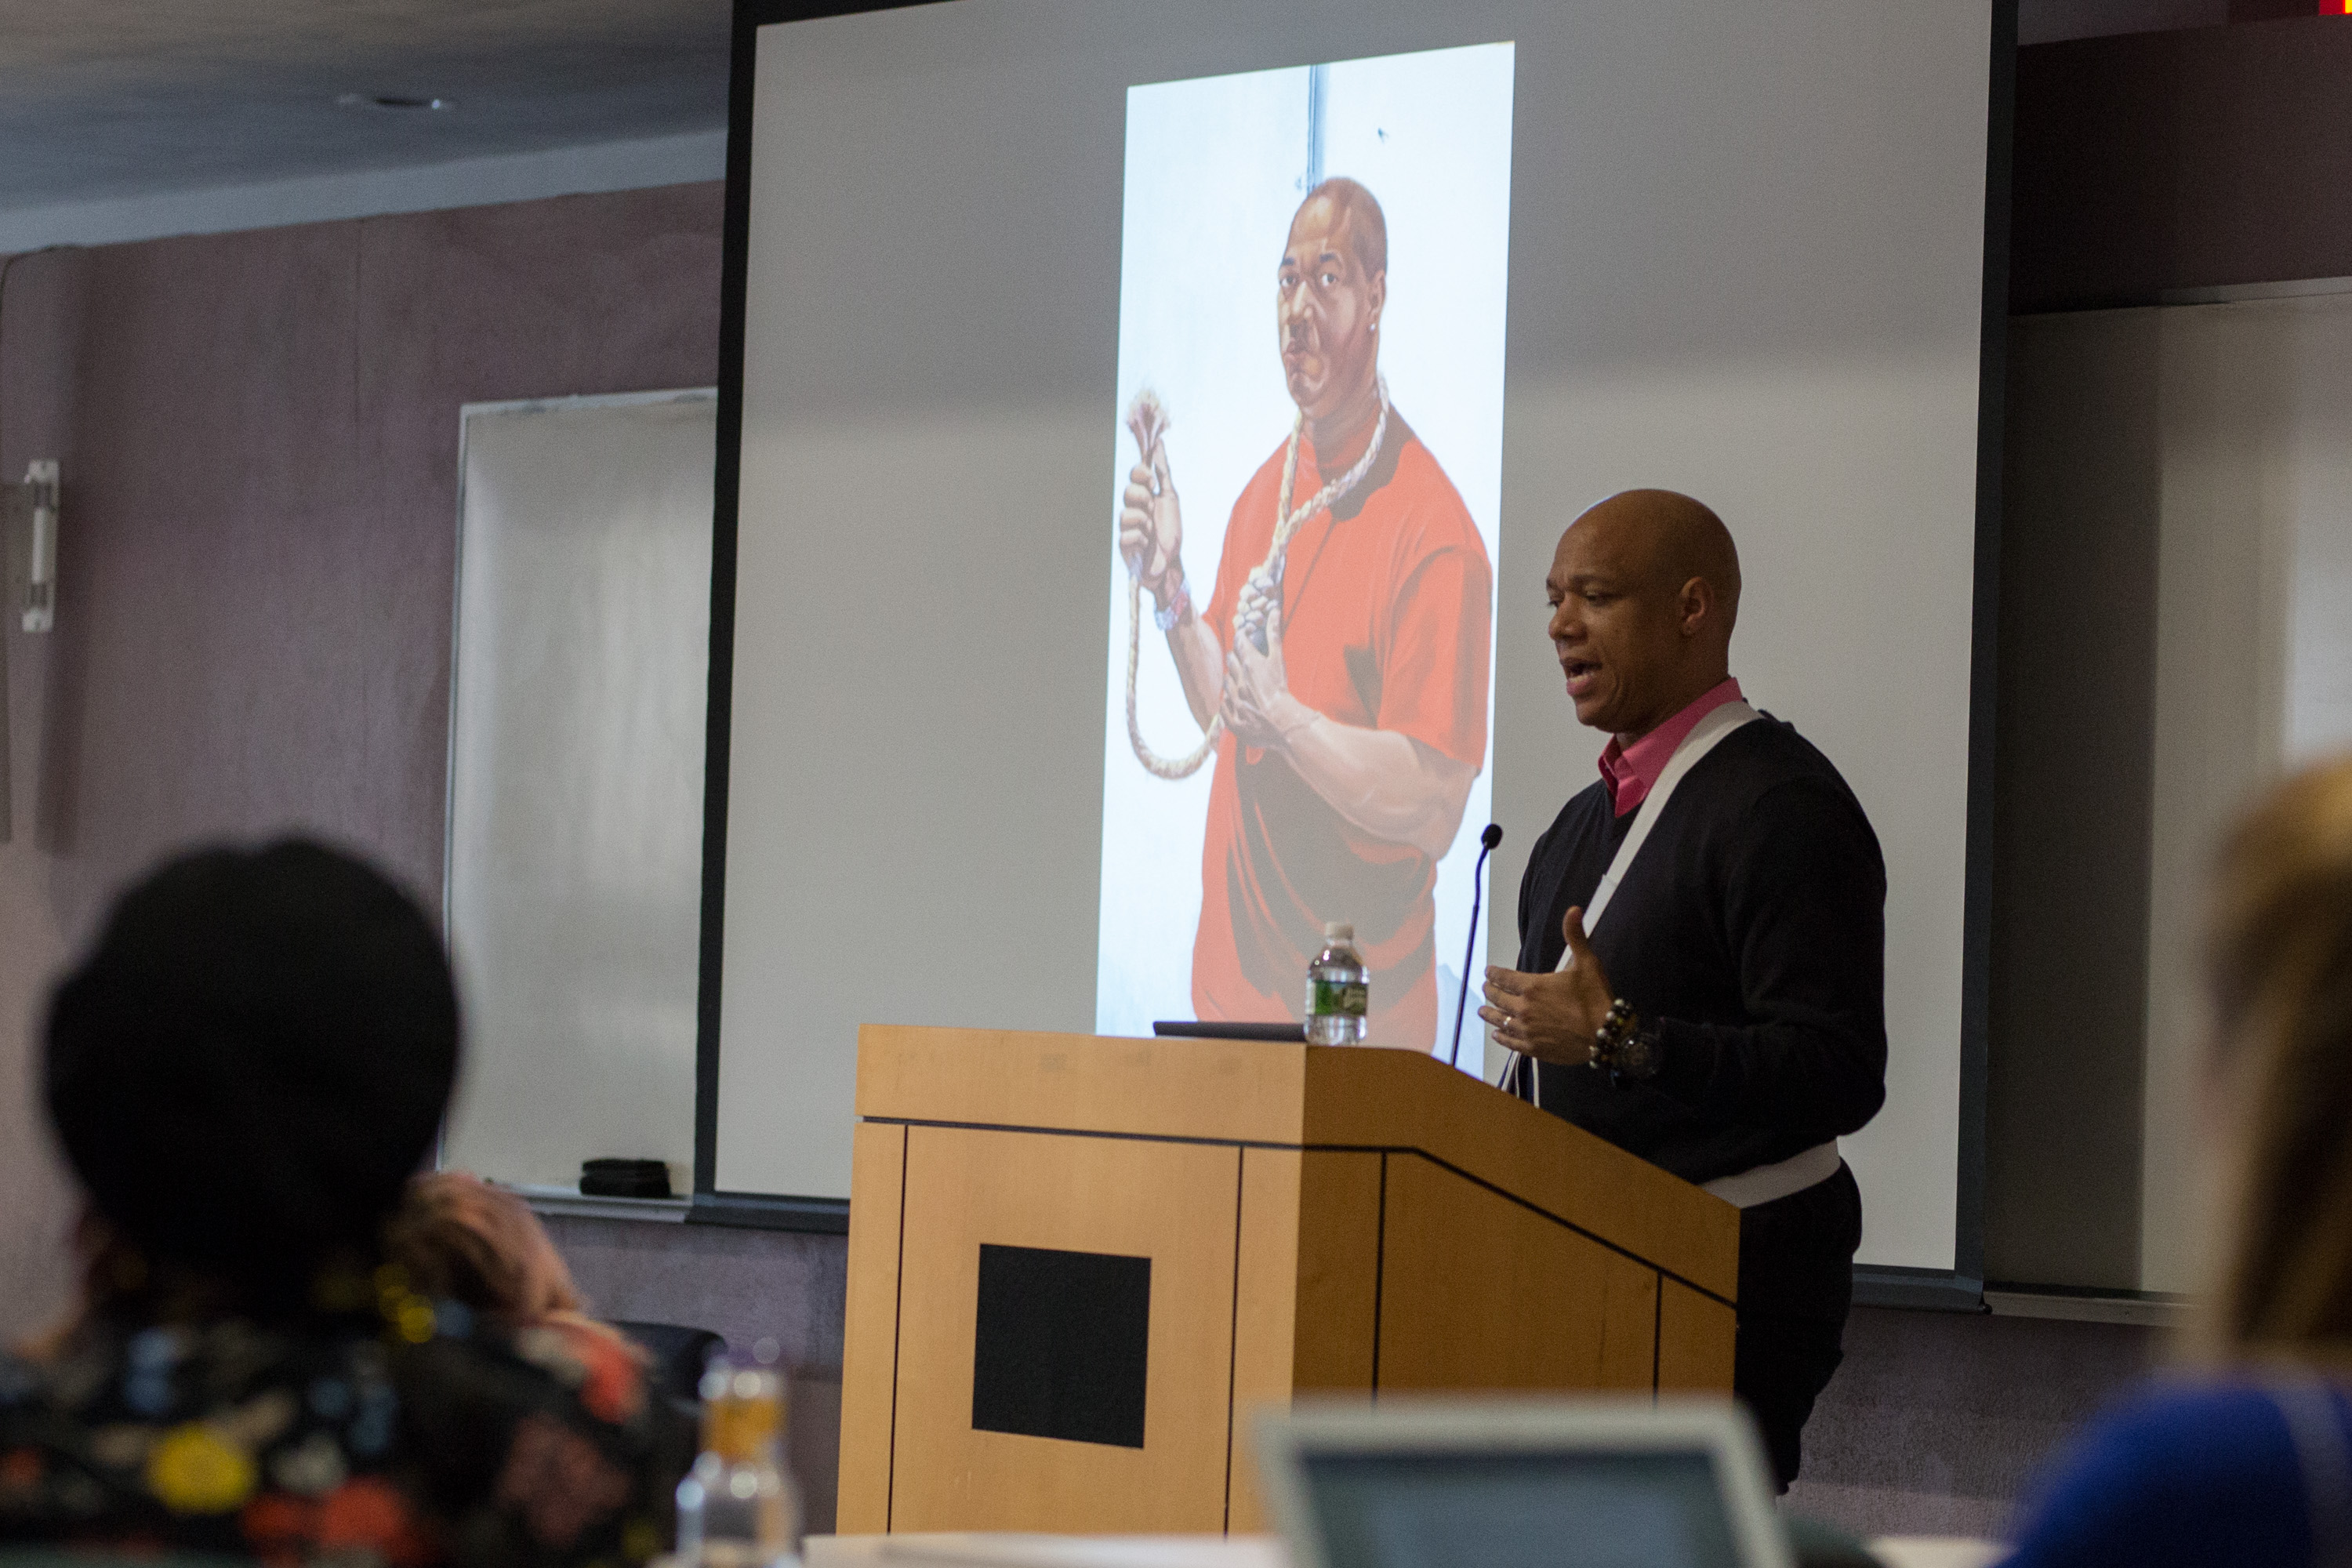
(1702, 959)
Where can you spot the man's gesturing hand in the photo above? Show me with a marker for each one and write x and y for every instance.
(1552, 1017)
(1151, 529)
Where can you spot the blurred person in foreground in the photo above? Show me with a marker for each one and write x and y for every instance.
(2245, 1457)
(243, 1072)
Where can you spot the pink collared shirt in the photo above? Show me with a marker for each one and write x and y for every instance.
(1632, 772)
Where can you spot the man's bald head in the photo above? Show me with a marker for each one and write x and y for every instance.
(1367, 226)
(1678, 539)
(1644, 588)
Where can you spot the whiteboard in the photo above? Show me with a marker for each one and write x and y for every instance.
(578, 679)
(2197, 458)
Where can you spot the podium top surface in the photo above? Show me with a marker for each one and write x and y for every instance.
(1275, 1095)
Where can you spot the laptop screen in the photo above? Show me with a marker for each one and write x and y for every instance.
(1559, 1509)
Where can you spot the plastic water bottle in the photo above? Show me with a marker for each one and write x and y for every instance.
(1336, 998)
(738, 1507)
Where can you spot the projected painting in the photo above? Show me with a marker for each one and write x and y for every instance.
(1304, 493)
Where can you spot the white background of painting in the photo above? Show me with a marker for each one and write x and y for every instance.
(1214, 171)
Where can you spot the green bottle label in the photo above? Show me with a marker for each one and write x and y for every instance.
(1325, 997)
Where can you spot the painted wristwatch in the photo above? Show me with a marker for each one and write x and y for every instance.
(1177, 607)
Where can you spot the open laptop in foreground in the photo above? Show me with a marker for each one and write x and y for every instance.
(1503, 1483)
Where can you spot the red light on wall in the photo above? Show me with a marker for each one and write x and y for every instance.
(2335, 8)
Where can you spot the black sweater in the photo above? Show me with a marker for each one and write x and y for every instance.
(1751, 931)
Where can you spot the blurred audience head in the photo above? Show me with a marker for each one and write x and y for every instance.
(460, 1240)
(2280, 974)
(244, 1071)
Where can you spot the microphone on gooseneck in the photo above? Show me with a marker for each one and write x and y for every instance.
(1486, 842)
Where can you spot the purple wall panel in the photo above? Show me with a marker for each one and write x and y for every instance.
(259, 435)
(2204, 158)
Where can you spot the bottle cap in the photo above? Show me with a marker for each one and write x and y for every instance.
(1339, 931)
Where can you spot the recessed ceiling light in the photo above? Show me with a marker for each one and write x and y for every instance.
(393, 100)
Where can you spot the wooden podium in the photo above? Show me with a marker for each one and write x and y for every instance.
(1076, 1264)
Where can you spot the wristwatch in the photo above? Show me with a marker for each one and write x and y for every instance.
(1623, 1049)
(1179, 606)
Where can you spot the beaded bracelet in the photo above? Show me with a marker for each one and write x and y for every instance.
(1621, 1047)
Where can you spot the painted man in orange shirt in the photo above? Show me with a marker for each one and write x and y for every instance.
(1354, 697)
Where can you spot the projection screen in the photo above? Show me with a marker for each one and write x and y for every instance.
(1737, 251)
